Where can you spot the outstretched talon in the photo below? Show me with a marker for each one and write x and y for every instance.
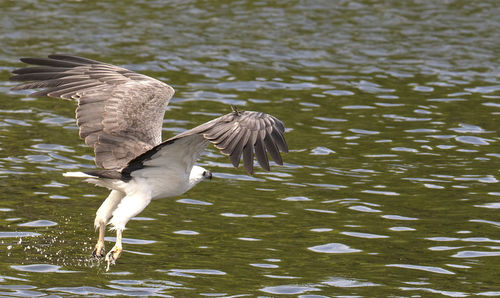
(99, 251)
(113, 255)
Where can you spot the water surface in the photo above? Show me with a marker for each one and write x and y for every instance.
(390, 187)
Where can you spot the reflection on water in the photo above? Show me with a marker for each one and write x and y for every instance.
(390, 186)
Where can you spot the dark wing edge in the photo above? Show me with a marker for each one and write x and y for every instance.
(61, 75)
(245, 133)
(138, 162)
(107, 96)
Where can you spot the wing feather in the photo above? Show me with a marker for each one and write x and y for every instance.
(37, 76)
(38, 69)
(220, 141)
(237, 134)
(279, 140)
(272, 149)
(215, 133)
(245, 133)
(248, 152)
(116, 106)
(235, 155)
(75, 59)
(228, 144)
(260, 153)
(52, 62)
(67, 92)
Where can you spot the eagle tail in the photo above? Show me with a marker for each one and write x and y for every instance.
(105, 178)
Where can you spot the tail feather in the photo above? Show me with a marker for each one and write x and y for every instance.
(105, 178)
(78, 175)
(107, 174)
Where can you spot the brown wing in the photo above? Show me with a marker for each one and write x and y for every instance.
(120, 112)
(235, 134)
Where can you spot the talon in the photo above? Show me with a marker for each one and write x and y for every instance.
(99, 251)
(112, 256)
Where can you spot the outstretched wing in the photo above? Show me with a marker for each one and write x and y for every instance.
(120, 112)
(237, 134)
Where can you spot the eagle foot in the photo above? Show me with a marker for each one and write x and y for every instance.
(99, 251)
(112, 256)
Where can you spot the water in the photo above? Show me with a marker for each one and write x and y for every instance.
(390, 188)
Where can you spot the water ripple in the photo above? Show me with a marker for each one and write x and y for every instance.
(297, 199)
(18, 234)
(445, 293)
(398, 217)
(198, 271)
(409, 126)
(476, 254)
(423, 268)
(288, 290)
(40, 268)
(194, 202)
(186, 232)
(381, 192)
(364, 209)
(348, 283)
(333, 248)
(88, 290)
(364, 235)
(38, 223)
(131, 241)
(473, 140)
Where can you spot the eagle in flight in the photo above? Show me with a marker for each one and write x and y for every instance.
(120, 115)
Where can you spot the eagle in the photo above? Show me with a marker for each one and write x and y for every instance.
(120, 115)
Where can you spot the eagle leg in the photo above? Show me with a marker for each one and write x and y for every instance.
(99, 250)
(116, 251)
(131, 205)
(102, 217)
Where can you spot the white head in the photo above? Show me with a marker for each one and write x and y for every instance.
(197, 175)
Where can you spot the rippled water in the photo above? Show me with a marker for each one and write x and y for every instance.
(391, 186)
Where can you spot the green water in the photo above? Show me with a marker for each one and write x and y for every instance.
(391, 186)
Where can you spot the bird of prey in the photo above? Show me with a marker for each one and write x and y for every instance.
(120, 115)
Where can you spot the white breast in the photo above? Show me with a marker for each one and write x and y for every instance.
(162, 182)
